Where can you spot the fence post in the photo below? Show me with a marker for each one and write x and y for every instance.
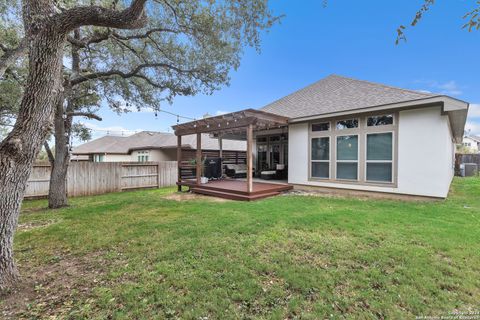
(158, 175)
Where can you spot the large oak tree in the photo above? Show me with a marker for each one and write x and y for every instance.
(175, 68)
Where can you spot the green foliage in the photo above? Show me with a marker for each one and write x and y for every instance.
(188, 47)
(472, 17)
(81, 132)
(147, 256)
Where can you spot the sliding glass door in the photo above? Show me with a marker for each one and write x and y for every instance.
(271, 150)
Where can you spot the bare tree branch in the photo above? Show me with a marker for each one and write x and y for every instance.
(135, 72)
(97, 37)
(132, 17)
(12, 55)
(51, 158)
(84, 114)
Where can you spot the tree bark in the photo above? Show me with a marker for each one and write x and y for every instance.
(57, 193)
(46, 32)
(20, 148)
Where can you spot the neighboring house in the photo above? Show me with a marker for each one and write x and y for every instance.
(351, 134)
(472, 143)
(147, 146)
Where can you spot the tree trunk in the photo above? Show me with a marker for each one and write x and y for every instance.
(20, 148)
(57, 193)
(45, 30)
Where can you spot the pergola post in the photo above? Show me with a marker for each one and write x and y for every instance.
(220, 146)
(220, 153)
(179, 163)
(249, 158)
(199, 157)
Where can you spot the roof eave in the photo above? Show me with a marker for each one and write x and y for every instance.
(456, 109)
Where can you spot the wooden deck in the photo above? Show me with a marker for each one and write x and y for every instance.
(236, 189)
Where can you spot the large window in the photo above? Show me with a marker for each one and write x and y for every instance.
(320, 156)
(358, 149)
(143, 156)
(347, 157)
(379, 157)
(98, 158)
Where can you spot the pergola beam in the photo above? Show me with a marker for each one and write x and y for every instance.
(183, 131)
(229, 121)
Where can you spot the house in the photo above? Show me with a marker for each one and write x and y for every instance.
(472, 143)
(347, 134)
(150, 146)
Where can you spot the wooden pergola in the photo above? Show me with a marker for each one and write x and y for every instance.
(236, 125)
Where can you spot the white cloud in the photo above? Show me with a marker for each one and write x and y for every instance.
(474, 110)
(472, 128)
(450, 88)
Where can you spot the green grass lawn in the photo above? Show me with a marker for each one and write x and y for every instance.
(137, 255)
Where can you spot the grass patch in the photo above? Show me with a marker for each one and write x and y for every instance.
(140, 255)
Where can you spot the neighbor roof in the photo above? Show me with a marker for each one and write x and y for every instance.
(336, 93)
(476, 138)
(152, 140)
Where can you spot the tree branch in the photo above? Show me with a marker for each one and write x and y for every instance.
(86, 41)
(84, 114)
(125, 75)
(11, 56)
(132, 17)
(51, 158)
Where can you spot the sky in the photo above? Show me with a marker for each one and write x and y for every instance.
(349, 38)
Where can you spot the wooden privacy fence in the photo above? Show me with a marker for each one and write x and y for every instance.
(465, 158)
(90, 178)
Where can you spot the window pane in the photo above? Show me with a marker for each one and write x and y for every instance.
(320, 149)
(379, 172)
(380, 120)
(347, 170)
(261, 139)
(325, 126)
(320, 169)
(275, 138)
(379, 146)
(347, 124)
(347, 148)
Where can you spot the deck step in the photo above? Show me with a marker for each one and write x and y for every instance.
(234, 196)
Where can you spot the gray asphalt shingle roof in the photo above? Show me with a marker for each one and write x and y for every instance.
(336, 93)
(152, 140)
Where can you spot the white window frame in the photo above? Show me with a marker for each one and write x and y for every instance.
(347, 161)
(379, 161)
(324, 161)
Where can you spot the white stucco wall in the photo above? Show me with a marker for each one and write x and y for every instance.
(153, 155)
(156, 155)
(425, 161)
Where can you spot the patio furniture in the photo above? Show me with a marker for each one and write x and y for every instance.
(236, 170)
(279, 173)
(268, 175)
